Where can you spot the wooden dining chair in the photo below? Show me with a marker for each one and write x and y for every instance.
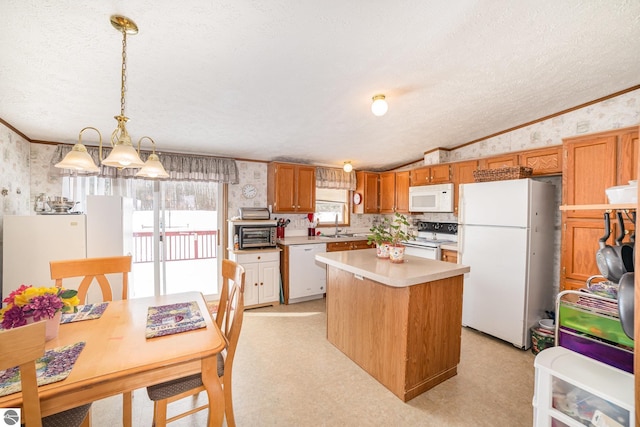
(22, 347)
(97, 268)
(217, 308)
(90, 269)
(231, 323)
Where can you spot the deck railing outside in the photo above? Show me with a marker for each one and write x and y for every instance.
(180, 245)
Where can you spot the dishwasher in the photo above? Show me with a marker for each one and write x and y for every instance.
(307, 278)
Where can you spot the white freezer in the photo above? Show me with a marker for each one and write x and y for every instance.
(503, 203)
(494, 294)
(505, 235)
(31, 241)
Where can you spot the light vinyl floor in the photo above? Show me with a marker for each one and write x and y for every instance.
(286, 373)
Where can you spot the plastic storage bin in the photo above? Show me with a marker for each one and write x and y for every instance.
(592, 323)
(604, 352)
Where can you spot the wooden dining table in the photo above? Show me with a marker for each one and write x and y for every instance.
(117, 358)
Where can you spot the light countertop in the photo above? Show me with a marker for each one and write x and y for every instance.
(450, 246)
(253, 251)
(413, 271)
(304, 240)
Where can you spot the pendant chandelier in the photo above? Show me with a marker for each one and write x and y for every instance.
(123, 155)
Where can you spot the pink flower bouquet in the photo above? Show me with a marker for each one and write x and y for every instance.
(37, 303)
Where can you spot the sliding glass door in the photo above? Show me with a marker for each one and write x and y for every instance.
(175, 232)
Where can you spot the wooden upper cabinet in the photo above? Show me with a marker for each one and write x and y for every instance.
(291, 188)
(402, 191)
(431, 175)
(306, 189)
(589, 168)
(627, 156)
(462, 173)
(498, 162)
(394, 192)
(579, 248)
(387, 192)
(367, 186)
(546, 161)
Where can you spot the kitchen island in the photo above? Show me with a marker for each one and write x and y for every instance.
(399, 322)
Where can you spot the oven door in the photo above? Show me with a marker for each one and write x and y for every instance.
(255, 237)
(428, 252)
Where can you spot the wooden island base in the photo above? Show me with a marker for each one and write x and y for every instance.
(408, 338)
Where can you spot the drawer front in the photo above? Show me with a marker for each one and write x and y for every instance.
(595, 324)
(598, 350)
(338, 246)
(258, 257)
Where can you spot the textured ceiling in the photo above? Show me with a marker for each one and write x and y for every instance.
(293, 79)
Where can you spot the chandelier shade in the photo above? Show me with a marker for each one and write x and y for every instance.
(78, 159)
(152, 168)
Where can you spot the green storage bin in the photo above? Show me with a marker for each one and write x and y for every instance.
(595, 324)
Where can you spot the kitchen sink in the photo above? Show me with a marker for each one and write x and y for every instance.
(333, 236)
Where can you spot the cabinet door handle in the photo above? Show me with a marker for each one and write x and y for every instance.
(261, 283)
(255, 284)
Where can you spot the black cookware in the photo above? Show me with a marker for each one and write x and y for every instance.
(607, 259)
(624, 250)
(626, 303)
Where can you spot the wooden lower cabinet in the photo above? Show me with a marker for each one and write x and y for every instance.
(449, 256)
(399, 335)
(347, 246)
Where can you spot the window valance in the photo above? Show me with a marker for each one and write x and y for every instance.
(335, 178)
(181, 167)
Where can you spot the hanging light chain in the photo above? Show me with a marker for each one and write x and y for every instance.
(123, 78)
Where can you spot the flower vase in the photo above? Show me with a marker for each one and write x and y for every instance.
(382, 250)
(52, 325)
(396, 254)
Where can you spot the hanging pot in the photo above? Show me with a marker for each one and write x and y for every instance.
(624, 250)
(626, 303)
(609, 263)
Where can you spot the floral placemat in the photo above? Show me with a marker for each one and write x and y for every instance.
(173, 318)
(55, 365)
(85, 312)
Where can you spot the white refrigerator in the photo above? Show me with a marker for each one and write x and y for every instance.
(31, 241)
(505, 234)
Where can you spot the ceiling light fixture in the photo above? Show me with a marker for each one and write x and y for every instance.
(379, 106)
(348, 167)
(78, 159)
(123, 154)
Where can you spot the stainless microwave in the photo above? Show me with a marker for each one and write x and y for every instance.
(431, 198)
(256, 236)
